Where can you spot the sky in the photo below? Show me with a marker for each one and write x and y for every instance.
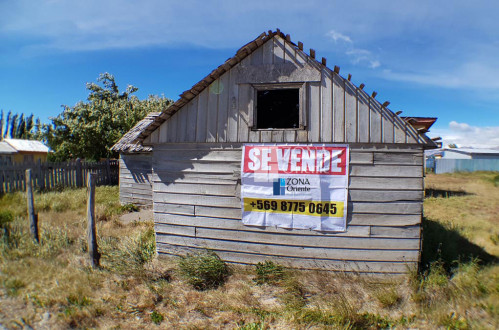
(436, 58)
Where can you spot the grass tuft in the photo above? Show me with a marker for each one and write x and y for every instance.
(203, 270)
(268, 272)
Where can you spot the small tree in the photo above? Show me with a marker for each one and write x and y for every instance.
(89, 129)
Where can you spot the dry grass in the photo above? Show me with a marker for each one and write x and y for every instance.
(52, 285)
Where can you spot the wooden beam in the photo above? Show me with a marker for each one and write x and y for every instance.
(337, 69)
(387, 103)
(398, 113)
(312, 53)
(300, 45)
(362, 86)
(288, 38)
(373, 95)
(324, 61)
(349, 77)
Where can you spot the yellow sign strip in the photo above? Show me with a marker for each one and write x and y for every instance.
(301, 207)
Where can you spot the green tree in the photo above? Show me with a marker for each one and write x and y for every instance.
(89, 129)
(17, 126)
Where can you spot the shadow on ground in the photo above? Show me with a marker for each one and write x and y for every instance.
(448, 245)
(439, 193)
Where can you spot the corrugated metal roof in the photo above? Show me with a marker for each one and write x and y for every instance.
(5, 148)
(473, 151)
(27, 145)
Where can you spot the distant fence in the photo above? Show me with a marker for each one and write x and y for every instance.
(462, 165)
(47, 176)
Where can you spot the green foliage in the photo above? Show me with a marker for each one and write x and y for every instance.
(5, 218)
(268, 272)
(89, 129)
(128, 208)
(157, 317)
(17, 126)
(204, 270)
(495, 180)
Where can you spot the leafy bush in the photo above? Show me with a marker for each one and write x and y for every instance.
(268, 272)
(156, 317)
(204, 270)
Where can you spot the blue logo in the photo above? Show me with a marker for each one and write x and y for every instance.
(279, 186)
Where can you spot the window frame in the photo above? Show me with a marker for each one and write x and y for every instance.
(302, 121)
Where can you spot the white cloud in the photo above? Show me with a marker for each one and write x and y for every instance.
(356, 55)
(465, 135)
(337, 36)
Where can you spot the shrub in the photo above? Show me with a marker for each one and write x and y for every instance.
(268, 272)
(157, 317)
(204, 270)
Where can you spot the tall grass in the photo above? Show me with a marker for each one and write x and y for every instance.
(51, 285)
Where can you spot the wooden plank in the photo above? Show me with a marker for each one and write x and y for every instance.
(406, 232)
(212, 114)
(315, 263)
(314, 119)
(204, 200)
(189, 166)
(223, 108)
(278, 50)
(155, 136)
(192, 113)
(277, 136)
(398, 158)
(228, 155)
(388, 129)
(386, 207)
(386, 171)
(385, 195)
(375, 129)
(193, 177)
(256, 57)
(363, 116)
(172, 129)
(266, 136)
(233, 112)
(163, 132)
(338, 109)
(361, 158)
(268, 52)
(292, 251)
(182, 123)
(290, 136)
(313, 240)
(351, 123)
(201, 124)
(172, 208)
(326, 113)
(289, 53)
(245, 107)
(197, 189)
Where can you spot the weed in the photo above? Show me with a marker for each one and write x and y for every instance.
(252, 326)
(495, 180)
(204, 270)
(13, 286)
(77, 300)
(6, 218)
(387, 295)
(268, 272)
(453, 321)
(128, 208)
(157, 317)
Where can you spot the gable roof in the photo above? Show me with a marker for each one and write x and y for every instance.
(27, 145)
(240, 55)
(129, 143)
(6, 149)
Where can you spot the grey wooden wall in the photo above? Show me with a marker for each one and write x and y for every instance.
(196, 205)
(335, 109)
(136, 178)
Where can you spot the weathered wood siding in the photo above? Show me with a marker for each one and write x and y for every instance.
(136, 178)
(335, 110)
(196, 189)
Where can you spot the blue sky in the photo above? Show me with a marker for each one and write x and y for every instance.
(428, 58)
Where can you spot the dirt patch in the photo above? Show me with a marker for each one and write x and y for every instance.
(141, 215)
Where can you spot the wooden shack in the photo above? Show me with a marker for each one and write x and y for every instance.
(196, 163)
(135, 165)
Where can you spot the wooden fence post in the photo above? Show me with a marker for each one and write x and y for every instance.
(33, 218)
(108, 171)
(79, 175)
(92, 235)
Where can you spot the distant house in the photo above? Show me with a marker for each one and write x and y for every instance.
(135, 165)
(22, 151)
(469, 153)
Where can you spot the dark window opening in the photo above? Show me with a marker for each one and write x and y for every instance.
(278, 108)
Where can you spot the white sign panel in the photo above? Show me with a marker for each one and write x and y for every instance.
(295, 186)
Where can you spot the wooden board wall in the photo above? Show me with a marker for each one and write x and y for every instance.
(335, 110)
(136, 179)
(196, 189)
